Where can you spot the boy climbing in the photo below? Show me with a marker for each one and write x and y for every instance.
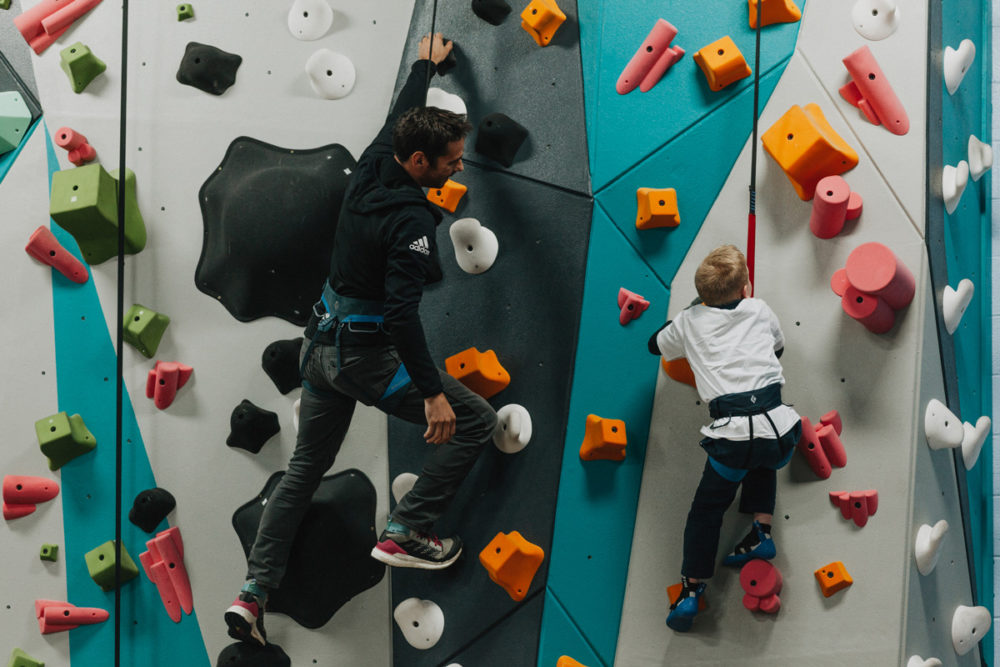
(732, 343)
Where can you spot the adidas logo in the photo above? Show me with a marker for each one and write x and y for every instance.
(421, 245)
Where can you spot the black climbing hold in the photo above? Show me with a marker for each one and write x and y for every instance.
(208, 68)
(449, 61)
(330, 561)
(491, 11)
(270, 214)
(242, 654)
(150, 507)
(499, 137)
(250, 427)
(281, 363)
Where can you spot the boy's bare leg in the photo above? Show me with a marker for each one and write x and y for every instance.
(760, 517)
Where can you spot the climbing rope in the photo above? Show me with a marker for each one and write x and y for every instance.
(119, 382)
(752, 216)
(430, 51)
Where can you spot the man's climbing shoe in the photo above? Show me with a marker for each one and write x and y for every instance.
(400, 546)
(757, 544)
(685, 607)
(245, 617)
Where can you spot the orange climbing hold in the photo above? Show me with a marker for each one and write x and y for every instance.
(807, 148)
(656, 208)
(566, 661)
(775, 11)
(541, 19)
(479, 371)
(833, 578)
(512, 562)
(448, 195)
(722, 63)
(679, 370)
(603, 439)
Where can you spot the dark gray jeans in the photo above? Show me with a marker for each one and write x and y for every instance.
(324, 417)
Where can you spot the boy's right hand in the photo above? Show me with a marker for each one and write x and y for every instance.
(440, 49)
(440, 419)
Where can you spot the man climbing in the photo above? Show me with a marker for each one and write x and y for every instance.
(365, 342)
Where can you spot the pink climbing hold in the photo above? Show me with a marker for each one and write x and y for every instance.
(80, 151)
(651, 61)
(829, 440)
(873, 285)
(43, 246)
(164, 565)
(55, 616)
(761, 581)
(46, 22)
(833, 204)
(164, 380)
(870, 310)
(22, 493)
(832, 418)
(821, 445)
(856, 505)
(870, 91)
(631, 304)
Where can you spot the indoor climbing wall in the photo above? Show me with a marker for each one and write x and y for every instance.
(244, 122)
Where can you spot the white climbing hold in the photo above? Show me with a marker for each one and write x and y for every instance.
(980, 157)
(402, 484)
(513, 428)
(447, 101)
(917, 661)
(309, 19)
(957, 63)
(953, 182)
(942, 428)
(928, 546)
(331, 74)
(973, 439)
(875, 19)
(954, 303)
(295, 413)
(968, 626)
(421, 621)
(476, 246)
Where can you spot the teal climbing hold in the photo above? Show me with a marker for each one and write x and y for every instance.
(62, 438)
(143, 329)
(84, 203)
(15, 118)
(101, 565)
(49, 552)
(19, 658)
(80, 65)
(185, 12)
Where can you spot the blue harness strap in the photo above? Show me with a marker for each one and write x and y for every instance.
(731, 474)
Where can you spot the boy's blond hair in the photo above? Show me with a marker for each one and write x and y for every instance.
(721, 276)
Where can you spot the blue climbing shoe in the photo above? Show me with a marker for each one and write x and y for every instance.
(757, 544)
(685, 607)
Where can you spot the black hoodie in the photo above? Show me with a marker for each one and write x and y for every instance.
(384, 248)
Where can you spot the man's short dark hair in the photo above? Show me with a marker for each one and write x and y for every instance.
(429, 130)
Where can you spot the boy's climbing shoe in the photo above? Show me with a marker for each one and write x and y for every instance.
(757, 544)
(400, 546)
(685, 607)
(245, 617)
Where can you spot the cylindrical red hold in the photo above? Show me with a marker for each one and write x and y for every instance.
(838, 282)
(874, 269)
(829, 207)
(68, 138)
(833, 419)
(854, 206)
(832, 446)
(70, 615)
(810, 447)
(760, 578)
(82, 155)
(44, 247)
(21, 489)
(871, 311)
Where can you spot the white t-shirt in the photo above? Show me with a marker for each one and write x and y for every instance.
(731, 350)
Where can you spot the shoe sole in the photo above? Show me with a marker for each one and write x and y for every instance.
(404, 560)
(680, 623)
(242, 628)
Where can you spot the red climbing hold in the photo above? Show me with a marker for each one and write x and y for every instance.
(44, 23)
(164, 565)
(761, 581)
(821, 444)
(43, 246)
(164, 380)
(856, 505)
(80, 152)
(651, 61)
(56, 616)
(631, 304)
(21, 493)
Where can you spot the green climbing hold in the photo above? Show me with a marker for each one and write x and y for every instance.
(143, 328)
(80, 65)
(49, 552)
(84, 203)
(4, 4)
(14, 120)
(62, 438)
(101, 565)
(19, 658)
(185, 12)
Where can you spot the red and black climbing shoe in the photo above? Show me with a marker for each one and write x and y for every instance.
(245, 617)
(405, 547)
